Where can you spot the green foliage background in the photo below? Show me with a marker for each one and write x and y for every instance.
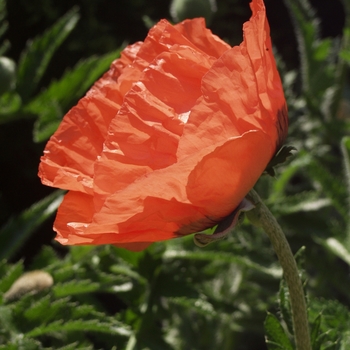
(229, 295)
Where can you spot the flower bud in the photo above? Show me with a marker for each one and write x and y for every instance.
(30, 282)
(184, 9)
(7, 74)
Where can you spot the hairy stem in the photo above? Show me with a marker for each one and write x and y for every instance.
(267, 221)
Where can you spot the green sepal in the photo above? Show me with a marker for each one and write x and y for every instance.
(225, 227)
(280, 157)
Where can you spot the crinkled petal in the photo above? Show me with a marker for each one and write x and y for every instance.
(171, 139)
(242, 91)
(144, 135)
(185, 197)
(69, 156)
(196, 32)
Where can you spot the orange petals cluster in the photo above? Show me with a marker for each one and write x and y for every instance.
(170, 140)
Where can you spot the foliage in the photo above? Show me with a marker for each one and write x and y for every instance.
(175, 295)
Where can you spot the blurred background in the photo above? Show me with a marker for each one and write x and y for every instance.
(51, 52)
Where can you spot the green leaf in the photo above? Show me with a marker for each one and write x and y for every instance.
(22, 343)
(306, 28)
(315, 332)
(6, 321)
(12, 273)
(132, 258)
(3, 26)
(54, 102)
(114, 328)
(10, 103)
(345, 341)
(75, 287)
(345, 149)
(45, 310)
(333, 324)
(45, 257)
(338, 249)
(35, 59)
(74, 346)
(200, 306)
(283, 180)
(334, 189)
(18, 229)
(322, 77)
(284, 305)
(126, 271)
(301, 202)
(221, 256)
(276, 337)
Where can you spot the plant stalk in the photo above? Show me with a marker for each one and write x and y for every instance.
(269, 224)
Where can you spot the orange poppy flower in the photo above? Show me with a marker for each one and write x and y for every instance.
(170, 140)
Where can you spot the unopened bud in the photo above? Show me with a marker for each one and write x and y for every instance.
(30, 282)
(184, 9)
(7, 74)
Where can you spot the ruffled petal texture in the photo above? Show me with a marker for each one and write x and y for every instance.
(170, 140)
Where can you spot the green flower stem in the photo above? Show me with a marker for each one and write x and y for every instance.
(269, 224)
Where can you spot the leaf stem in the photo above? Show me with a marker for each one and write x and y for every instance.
(282, 249)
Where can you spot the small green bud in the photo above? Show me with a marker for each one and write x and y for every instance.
(7, 74)
(183, 9)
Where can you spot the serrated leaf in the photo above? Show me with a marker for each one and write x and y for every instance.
(38, 311)
(3, 24)
(276, 337)
(132, 258)
(17, 230)
(75, 287)
(221, 256)
(63, 271)
(284, 306)
(54, 102)
(280, 183)
(345, 149)
(35, 59)
(201, 306)
(334, 190)
(338, 249)
(10, 103)
(79, 253)
(22, 343)
(300, 202)
(315, 332)
(74, 346)
(322, 73)
(345, 341)
(12, 273)
(46, 257)
(126, 271)
(57, 309)
(307, 33)
(81, 325)
(6, 321)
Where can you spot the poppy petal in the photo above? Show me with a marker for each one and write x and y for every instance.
(177, 200)
(242, 91)
(144, 135)
(70, 154)
(196, 32)
(170, 140)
